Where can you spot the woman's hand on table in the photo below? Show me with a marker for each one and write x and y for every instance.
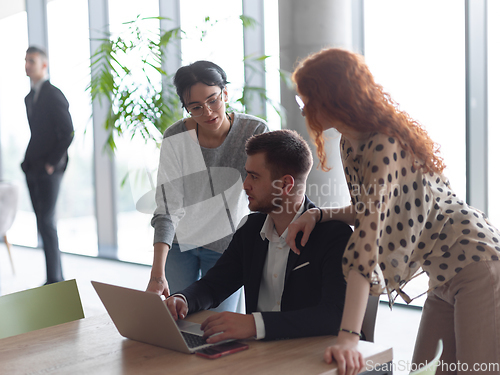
(345, 353)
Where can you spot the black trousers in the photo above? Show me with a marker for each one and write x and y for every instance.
(44, 189)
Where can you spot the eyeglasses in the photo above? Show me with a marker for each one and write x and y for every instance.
(213, 104)
(301, 104)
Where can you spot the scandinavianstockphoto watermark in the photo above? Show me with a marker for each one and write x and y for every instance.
(334, 189)
(407, 366)
(328, 192)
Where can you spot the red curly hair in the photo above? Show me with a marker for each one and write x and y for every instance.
(338, 84)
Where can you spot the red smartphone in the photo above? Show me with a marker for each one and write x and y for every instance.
(217, 351)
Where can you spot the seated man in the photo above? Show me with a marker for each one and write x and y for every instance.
(286, 295)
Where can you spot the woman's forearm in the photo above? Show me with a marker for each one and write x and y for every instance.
(346, 214)
(159, 259)
(345, 351)
(356, 300)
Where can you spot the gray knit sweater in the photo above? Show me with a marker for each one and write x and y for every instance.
(199, 198)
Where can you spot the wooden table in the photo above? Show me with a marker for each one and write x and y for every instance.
(94, 346)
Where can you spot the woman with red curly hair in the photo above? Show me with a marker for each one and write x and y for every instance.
(407, 219)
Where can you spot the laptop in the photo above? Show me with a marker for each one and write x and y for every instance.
(144, 316)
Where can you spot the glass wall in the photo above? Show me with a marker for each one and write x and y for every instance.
(272, 46)
(215, 34)
(135, 234)
(70, 72)
(205, 36)
(493, 110)
(418, 56)
(14, 129)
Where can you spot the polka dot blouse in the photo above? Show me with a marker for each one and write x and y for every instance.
(408, 221)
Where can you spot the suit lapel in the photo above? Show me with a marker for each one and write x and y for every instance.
(29, 102)
(292, 257)
(292, 261)
(259, 258)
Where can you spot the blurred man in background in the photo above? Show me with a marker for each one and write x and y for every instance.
(46, 156)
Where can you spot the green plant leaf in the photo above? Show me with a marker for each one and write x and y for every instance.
(128, 73)
(248, 21)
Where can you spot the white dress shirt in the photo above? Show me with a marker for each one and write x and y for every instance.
(273, 274)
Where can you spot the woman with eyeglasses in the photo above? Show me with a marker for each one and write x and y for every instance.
(200, 200)
(407, 220)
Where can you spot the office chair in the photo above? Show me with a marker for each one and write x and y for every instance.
(40, 307)
(368, 326)
(431, 367)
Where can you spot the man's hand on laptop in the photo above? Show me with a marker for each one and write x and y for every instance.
(229, 325)
(177, 306)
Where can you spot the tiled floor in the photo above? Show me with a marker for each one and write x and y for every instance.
(396, 328)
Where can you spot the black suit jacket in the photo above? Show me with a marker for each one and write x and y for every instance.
(51, 130)
(313, 296)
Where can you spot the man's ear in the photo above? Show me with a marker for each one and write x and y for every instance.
(288, 183)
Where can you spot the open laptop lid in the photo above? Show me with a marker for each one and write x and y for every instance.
(141, 316)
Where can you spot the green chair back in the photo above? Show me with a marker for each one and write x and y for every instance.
(41, 307)
(431, 367)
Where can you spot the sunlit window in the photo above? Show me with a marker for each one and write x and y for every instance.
(209, 33)
(272, 47)
(135, 234)
(215, 34)
(493, 110)
(418, 56)
(14, 129)
(70, 72)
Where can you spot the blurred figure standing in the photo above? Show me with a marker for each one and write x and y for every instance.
(46, 156)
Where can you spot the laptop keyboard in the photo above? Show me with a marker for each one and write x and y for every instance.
(192, 340)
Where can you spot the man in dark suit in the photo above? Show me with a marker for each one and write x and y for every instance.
(286, 295)
(46, 156)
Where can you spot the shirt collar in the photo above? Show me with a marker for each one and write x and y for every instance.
(37, 86)
(268, 230)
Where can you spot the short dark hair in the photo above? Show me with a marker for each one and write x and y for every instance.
(286, 152)
(200, 71)
(40, 51)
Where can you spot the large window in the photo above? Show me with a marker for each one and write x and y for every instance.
(416, 50)
(70, 72)
(135, 234)
(205, 36)
(493, 110)
(215, 34)
(272, 47)
(14, 129)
